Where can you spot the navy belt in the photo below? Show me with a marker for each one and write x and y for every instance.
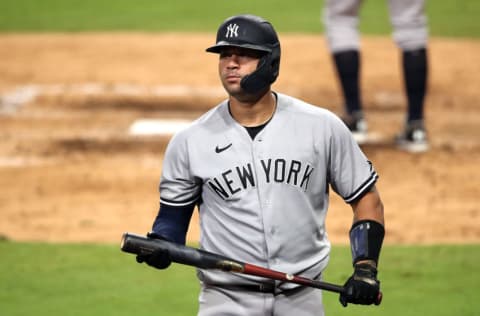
(257, 287)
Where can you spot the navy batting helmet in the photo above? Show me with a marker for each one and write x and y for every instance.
(252, 32)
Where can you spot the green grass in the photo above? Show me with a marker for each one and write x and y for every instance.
(150, 15)
(46, 279)
(417, 280)
(447, 18)
(84, 279)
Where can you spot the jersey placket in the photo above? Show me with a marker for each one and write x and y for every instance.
(258, 153)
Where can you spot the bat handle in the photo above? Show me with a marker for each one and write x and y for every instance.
(341, 289)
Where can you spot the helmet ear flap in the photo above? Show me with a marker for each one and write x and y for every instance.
(275, 63)
(257, 80)
(265, 74)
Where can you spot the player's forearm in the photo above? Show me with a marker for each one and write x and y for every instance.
(368, 231)
(369, 207)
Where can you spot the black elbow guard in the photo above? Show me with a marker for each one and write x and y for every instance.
(366, 238)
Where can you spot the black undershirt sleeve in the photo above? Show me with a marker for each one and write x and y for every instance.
(172, 222)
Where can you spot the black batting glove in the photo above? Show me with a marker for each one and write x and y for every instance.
(159, 258)
(362, 287)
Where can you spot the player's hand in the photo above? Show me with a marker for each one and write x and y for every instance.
(159, 259)
(362, 287)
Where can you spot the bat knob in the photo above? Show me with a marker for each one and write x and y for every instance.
(379, 298)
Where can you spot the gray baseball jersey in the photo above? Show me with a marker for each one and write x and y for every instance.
(341, 18)
(264, 201)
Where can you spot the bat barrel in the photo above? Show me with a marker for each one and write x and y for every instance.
(141, 245)
(136, 244)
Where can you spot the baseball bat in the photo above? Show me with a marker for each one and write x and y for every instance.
(141, 245)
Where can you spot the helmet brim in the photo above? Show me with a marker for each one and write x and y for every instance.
(221, 45)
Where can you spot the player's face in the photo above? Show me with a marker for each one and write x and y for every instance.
(235, 63)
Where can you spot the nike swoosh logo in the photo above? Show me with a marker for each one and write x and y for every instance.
(220, 149)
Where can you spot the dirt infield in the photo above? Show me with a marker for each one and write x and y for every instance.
(70, 171)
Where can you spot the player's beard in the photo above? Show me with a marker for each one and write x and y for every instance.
(236, 91)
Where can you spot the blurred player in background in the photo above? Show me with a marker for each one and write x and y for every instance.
(410, 33)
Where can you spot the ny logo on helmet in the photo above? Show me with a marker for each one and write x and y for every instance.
(232, 30)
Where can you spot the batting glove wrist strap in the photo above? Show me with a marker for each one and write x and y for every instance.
(366, 238)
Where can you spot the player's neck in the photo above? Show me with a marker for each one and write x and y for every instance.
(253, 113)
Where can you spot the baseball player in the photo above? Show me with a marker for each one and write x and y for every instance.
(341, 18)
(260, 166)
